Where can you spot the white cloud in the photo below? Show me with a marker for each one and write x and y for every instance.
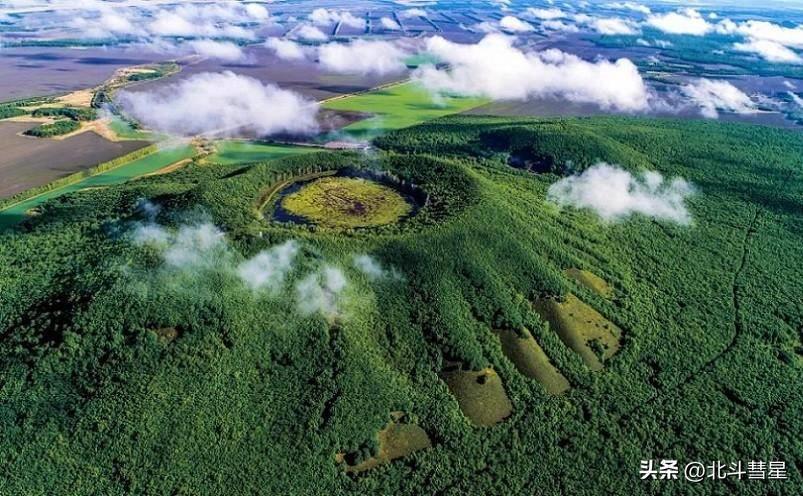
(615, 194)
(192, 246)
(711, 96)
(171, 24)
(371, 267)
(286, 49)
(257, 11)
(615, 25)
(325, 17)
(389, 24)
(363, 57)
(269, 268)
(556, 25)
(220, 50)
(308, 33)
(685, 21)
(203, 246)
(221, 104)
(546, 14)
(635, 7)
(769, 50)
(148, 21)
(322, 293)
(654, 43)
(516, 25)
(795, 98)
(415, 12)
(150, 234)
(495, 68)
(486, 27)
(763, 30)
(195, 20)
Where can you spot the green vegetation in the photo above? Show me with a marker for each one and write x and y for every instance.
(345, 202)
(400, 106)
(73, 113)
(582, 328)
(144, 76)
(237, 152)
(123, 374)
(530, 359)
(480, 394)
(397, 440)
(58, 128)
(701, 56)
(129, 131)
(591, 281)
(71, 123)
(145, 161)
(7, 111)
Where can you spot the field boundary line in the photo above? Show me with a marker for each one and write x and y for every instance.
(77, 177)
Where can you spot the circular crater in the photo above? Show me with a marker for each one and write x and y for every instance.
(347, 199)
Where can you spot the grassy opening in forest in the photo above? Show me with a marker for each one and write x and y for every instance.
(346, 202)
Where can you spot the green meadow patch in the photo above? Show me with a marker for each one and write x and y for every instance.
(530, 360)
(590, 281)
(397, 440)
(347, 202)
(240, 151)
(480, 394)
(581, 328)
(398, 106)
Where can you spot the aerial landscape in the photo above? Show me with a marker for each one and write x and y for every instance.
(405, 247)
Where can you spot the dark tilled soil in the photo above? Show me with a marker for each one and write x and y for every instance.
(28, 162)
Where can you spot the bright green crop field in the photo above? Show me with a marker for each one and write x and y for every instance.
(239, 152)
(16, 213)
(398, 106)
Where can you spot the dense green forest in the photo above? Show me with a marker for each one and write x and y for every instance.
(163, 337)
(74, 113)
(57, 128)
(7, 111)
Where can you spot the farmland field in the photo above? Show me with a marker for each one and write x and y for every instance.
(17, 212)
(30, 162)
(239, 151)
(397, 106)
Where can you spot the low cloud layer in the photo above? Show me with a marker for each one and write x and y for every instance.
(497, 69)
(269, 268)
(220, 50)
(192, 246)
(148, 20)
(712, 96)
(685, 21)
(632, 6)
(322, 293)
(286, 49)
(197, 256)
(326, 17)
(614, 26)
(373, 269)
(615, 194)
(363, 57)
(515, 25)
(770, 51)
(221, 104)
